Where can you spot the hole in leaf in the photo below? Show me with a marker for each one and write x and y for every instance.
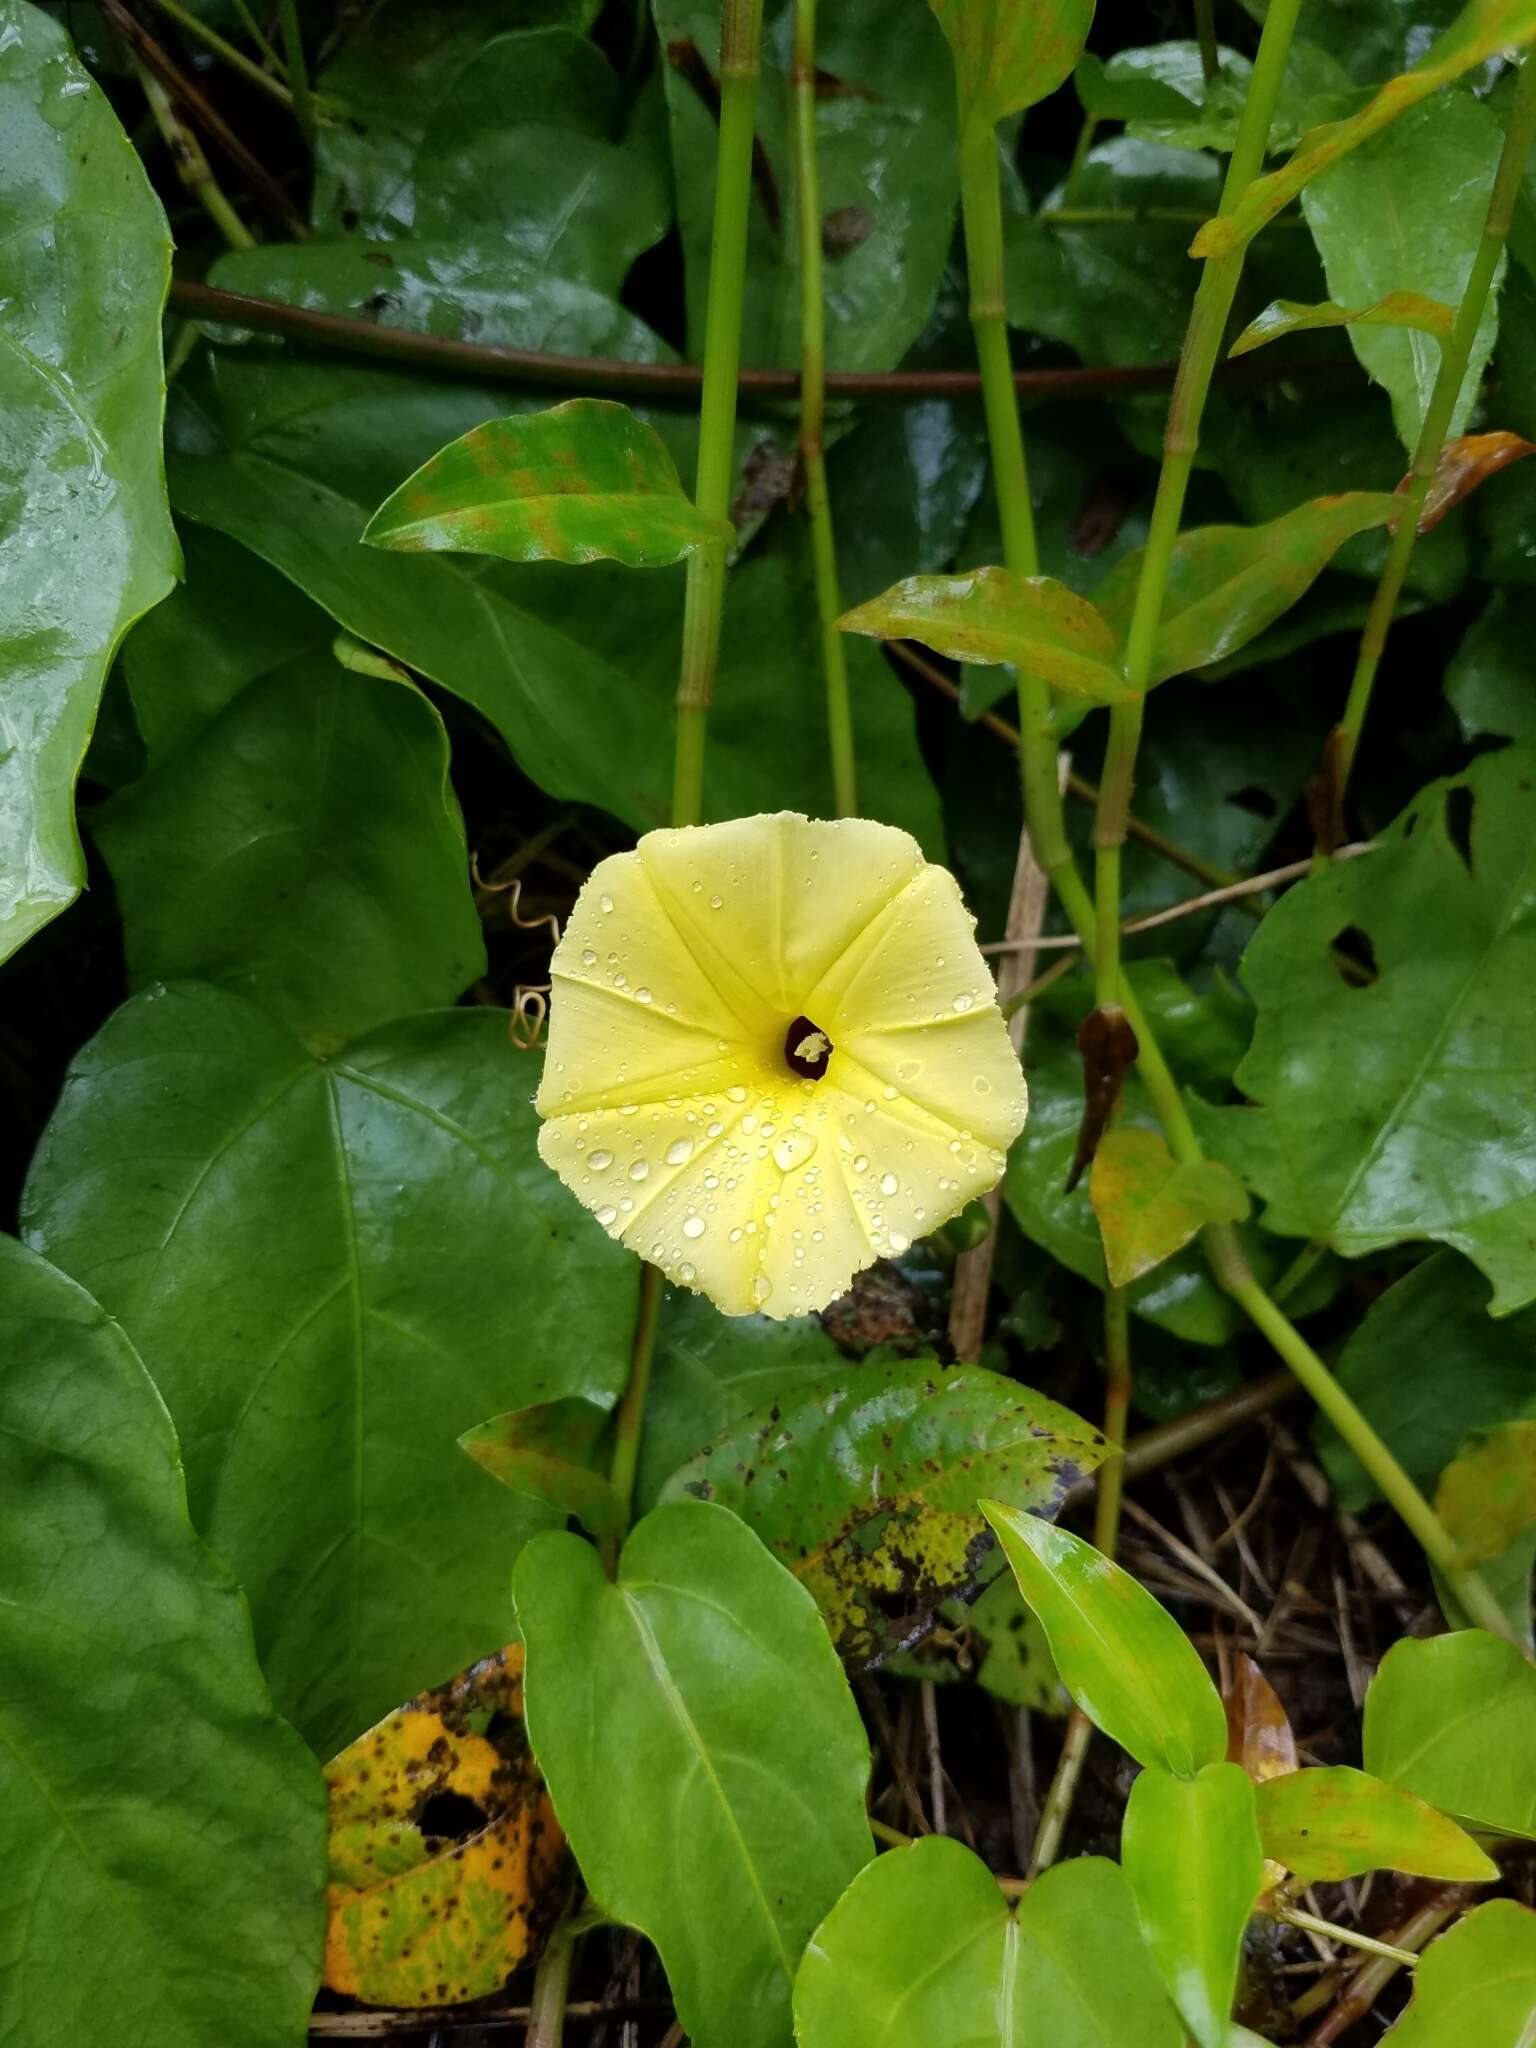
(1252, 798)
(1458, 822)
(1355, 957)
(451, 1816)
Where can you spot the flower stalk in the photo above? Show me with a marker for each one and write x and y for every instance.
(1454, 357)
(813, 401)
(704, 603)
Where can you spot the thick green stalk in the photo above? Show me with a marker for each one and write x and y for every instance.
(1452, 374)
(740, 46)
(813, 402)
(297, 68)
(1181, 439)
(981, 211)
(192, 165)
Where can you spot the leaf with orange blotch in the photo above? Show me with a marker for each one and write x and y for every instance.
(1465, 463)
(445, 1851)
(1149, 1204)
(1259, 1733)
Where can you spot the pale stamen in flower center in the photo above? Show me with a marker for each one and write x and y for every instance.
(807, 1049)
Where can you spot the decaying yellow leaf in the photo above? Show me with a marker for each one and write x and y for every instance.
(445, 1852)
(1149, 1205)
(1465, 463)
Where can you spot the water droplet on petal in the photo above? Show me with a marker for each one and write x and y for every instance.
(861, 1164)
(888, 1184)
(693, 1226)
(793, 1150)
(679, 1151)
(737, 1094)
(639, 1169)
(601, 1159)
(715, 902)
(964, 1002)
(642, 995)
(687, 1274)
(762, 1287)
(899, 1244)
(606, 902)
(607, 1216)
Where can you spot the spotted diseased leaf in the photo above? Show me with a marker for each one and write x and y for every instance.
(1465, 463)
(1476, 1984)
(546, 1453)
(991, 615)
(1226, 584)
(1397, 309)
(1324, 1825)
(584, 482)
(1150, 1205)
(1121, 1655)
(445, 1851)
(1483, 29)
(866, 1486)
(1009, 54)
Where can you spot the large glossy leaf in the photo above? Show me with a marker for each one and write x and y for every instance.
(1227, 583)
(338, 1265)
(584, 482)
(165, 1831)
(1161, 92)
(1191, 1854)
(446, 1860)
(1431, 1139)
(865, 1485)
(991, 615)
(1329, 1824)
(704, 1753)
(85, 256)
(1483, 29)
(885, 146)
(1454, 1720)
(1476, 1983)
(923, 1947)
(1010, 53)
(1407, 210)
(1149, 1205)
(305, 849)
(1122, 1656)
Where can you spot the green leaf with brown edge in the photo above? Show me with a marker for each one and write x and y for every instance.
(1010, 54)
(923, 1948)
(704, 1754)
(1453, 1720)
(164, 1830)
(584, 482)
(1398, 309)
(1324, 1825)
(991, 615)
(1191, 1855)
(1122, 1656)
(1150, 1205)
(866, 1486)
(1476, 1986)
(546, 1452)
(1483, 29)
(445, 1852)
(87, 545)
(1226, 584)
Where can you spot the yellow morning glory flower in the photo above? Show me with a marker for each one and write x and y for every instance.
(775, 1055)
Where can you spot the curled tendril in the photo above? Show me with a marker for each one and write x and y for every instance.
(530, 1000)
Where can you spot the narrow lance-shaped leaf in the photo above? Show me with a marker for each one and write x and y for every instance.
(1482, 30)
(865, 1485)
(1122, 1656)
(445, 1854)
(1227, 583)
(924, 1948)
(1454, 1720)
(1009, 54)
(1324, 1825)
(704, 1754)
(1191, 1854)
(546, 1453)
(1397, 309)
(1476, 1984)
(1465, 463)
(1150, 1205)
(162, 1882)
(991, 615)
(583, 482)
(85, 257)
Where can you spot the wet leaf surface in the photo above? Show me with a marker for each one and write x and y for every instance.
(446, 1857)
(865, 1486)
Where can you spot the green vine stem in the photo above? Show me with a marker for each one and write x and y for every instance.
(1454, 357)
(193, 25)
(813, 399)
(297, 68)
(625, 1459)
(192, 166)
(981, 212)
(740, 56)
(1181, 439)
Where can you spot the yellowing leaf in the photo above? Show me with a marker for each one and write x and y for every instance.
(1487, 1494)
(991, 615)
(1482, 30)
(1465, 463)
(1324, 1825)
(1259, 1735)
(1397, 309)
(445, 1849)
(1150, 1205)
(547, 1453)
